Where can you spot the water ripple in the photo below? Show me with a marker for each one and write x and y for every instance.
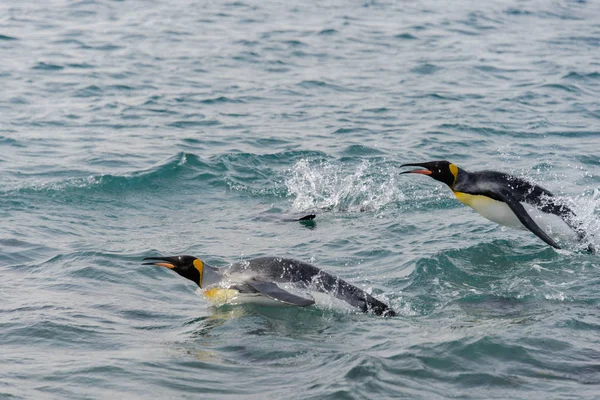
(134, 129)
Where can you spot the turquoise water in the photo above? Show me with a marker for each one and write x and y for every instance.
(131, 129)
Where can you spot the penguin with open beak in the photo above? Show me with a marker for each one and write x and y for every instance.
(506, 200)
(260, 278)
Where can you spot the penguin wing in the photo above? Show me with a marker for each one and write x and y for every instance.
(524, 217)
(272, 291)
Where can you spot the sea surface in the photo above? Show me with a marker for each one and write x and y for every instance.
(131, 129)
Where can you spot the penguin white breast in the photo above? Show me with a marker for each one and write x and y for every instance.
(500, 213)
(494, 210)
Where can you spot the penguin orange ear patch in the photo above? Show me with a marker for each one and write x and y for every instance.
(453, 170)
(199, 265)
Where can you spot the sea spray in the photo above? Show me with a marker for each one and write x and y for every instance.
(331, 186)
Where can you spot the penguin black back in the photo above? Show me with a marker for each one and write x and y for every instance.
(308, 276)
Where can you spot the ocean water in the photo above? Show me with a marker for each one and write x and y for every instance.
(130, 129)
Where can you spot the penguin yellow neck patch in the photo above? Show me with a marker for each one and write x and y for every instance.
(218, 295)
(469, 199)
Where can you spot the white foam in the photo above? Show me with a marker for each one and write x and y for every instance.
(330, 186)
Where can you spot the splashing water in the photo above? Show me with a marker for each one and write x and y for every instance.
(585, 205)
(586, 208)
(328, 186)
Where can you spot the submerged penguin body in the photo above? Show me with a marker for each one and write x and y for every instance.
(266, 280)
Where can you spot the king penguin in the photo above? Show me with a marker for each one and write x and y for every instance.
(507, 200)
(258, 278)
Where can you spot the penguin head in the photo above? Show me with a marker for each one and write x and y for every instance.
(187, 266)
(443, 171)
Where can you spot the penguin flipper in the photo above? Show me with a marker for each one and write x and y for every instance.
(272, 291)
(525, 219)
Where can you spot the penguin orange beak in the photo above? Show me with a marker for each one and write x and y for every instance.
(160, 261)
(415, 171)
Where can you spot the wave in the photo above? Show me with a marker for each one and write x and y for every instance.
(498, 278)
(107, 182)
(254, 175)
(222, 171)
